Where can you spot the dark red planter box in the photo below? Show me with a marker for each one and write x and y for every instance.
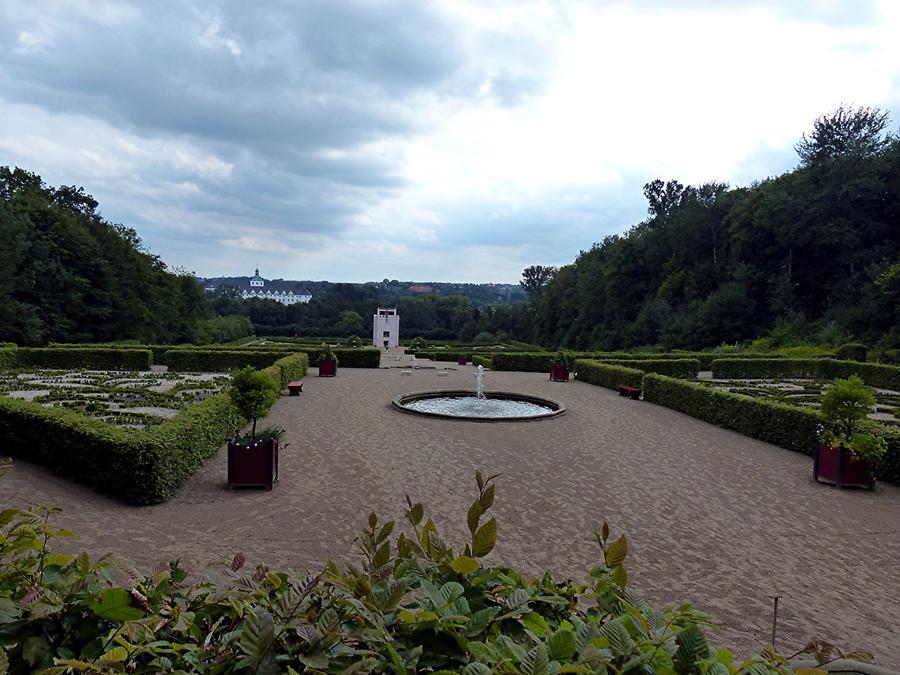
(327, 368)
(559, 374)
(461, 361)
(253, 465)
(834, 465)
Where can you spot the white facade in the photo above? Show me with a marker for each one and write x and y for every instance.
(386, 328)
(285, 297)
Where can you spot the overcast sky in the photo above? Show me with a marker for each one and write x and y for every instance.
(459, 140)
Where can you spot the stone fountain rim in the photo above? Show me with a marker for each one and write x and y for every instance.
(557, 408)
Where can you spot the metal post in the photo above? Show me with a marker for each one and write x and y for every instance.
(774, 620)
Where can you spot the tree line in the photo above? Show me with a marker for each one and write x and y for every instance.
(812, 255)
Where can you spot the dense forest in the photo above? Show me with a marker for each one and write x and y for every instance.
(68, 275)
(810, 256)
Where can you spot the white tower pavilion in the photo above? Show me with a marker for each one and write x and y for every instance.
(386, 328)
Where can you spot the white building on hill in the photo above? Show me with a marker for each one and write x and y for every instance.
(285, 292)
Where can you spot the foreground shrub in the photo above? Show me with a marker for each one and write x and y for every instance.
(409, 604)
(607, 375)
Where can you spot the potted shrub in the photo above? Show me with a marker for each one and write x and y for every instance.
(253, 458)
(327, 362)
(559, 371)
(845, 455)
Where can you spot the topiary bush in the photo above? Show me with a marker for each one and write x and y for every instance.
(852, 351)
(607, 375)
(253, 393)
(409, 603)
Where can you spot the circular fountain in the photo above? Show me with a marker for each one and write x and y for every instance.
(478, 406)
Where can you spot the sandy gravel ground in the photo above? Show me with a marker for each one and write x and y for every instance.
(713, 518)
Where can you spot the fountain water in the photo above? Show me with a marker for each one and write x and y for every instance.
(479, 383)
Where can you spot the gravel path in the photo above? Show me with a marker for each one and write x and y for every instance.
(712, 517)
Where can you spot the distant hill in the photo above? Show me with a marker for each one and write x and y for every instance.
(392, 290)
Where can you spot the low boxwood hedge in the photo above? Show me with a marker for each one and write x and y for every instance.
(607, 375)
(221, 360)
(7, 358)
(486, 361)
(787, 426)
(873, 374)
(138, 466)
(88, 358)
(685, 369)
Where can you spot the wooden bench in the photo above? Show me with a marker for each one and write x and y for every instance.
(625, 390)
(295, 387)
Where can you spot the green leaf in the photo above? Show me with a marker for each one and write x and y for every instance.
(114, 604)
(561, 645)
(480, 620)
(34, 649)
(484, 539)
(417, 512)
(474, 514)
(619, 638)
(617, 551)
(536, 663)
(373, 520)
(536, 623)
(257, 634)
(585, 634)
(465, 565)
(620, 576)
(692, 646)
(487, 498)
(117, 654)
(476, 669)
(479, 480)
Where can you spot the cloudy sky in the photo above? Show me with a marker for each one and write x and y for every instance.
(444, 140)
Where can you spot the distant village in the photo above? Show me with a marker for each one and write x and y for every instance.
(291, 292)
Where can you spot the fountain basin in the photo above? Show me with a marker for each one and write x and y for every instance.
(496, 406)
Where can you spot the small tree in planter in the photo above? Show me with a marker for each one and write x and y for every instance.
(845, 455)
(327, 362)
(559, 371)
(253, 460)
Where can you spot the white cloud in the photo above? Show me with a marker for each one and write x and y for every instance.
(473, 139)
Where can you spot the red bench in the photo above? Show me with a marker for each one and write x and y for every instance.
(295, 387)
(633, 392)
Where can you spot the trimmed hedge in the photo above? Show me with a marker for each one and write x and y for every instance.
(485, 361)
(685, 369)
(607, 375)
(873, 374)
(787, 426)
(7, 358)
(852, 351)
(88, 358)
(141, 467)
(220, 360)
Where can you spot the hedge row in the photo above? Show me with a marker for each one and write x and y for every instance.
(788, 426)
(7, 358)
(91, 358)
(141, 467)
(485, 361)
(607, 375)
(218, 360)
(784, 425)
(873, 374)
(682, 368)
(444, 356)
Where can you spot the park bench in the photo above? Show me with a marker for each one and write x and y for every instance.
(295, 387)
(625, 390)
